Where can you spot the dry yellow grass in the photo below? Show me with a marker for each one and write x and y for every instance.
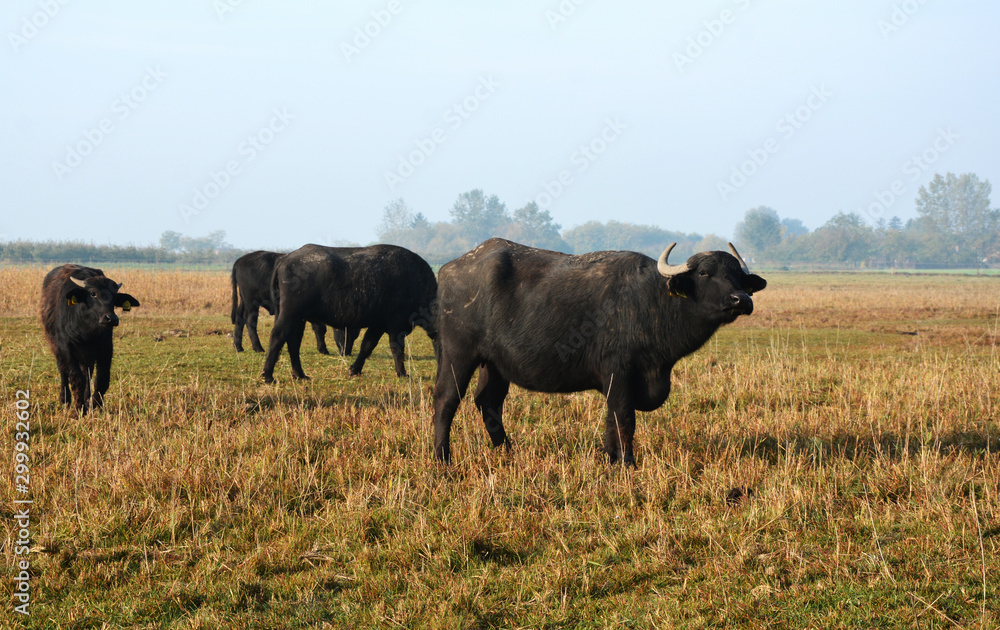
(201, 498)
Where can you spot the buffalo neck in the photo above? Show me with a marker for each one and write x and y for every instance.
(685, 326)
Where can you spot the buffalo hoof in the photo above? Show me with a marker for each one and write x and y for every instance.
(239, 348)
(300, 377)
(267, 378)
(323, 351)
(738, 496)
(261, 350)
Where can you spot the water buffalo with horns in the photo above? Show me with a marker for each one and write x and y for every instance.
(251, 282)
(615, 322)
(78, 315)
(384, 288)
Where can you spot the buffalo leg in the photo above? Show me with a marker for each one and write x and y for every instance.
(350, 335)
(65, 394)
(295, 333)
(279, 336)
(251, 320)
(319, 329)
(490, 394)
(619, 424)
(397, 346)
(77, 382)
(86, 403)
(453, 378)
(344, 337)
(368, 344)
(238, 328)
(102, 381)
(619, 432)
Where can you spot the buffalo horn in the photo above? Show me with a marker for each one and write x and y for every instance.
(667, 270)
(743, 263)
(78, 282)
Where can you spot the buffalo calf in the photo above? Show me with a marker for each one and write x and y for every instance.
(78, 315)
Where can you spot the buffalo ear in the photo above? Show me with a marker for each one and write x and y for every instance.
(754, 283)
(76, 295)
(680, 286)
(125, 301)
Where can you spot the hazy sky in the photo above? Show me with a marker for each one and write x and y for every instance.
(294, 122)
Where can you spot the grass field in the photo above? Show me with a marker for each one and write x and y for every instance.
(862, 411)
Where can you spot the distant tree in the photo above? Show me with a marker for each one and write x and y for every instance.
(895, 223)
(712, 243)
(844, 238)
(217, 240)
(213, 242)
(535, 227)
(479, 217)
(445, 242)
(759, 230)
(171, 241)
(794, 227)
(419, 222)
(397, 218)
(955, 214)
(615, 235)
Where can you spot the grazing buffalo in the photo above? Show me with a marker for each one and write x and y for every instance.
(384, 288)
(251, 280)
(78, 315)
(616, 322)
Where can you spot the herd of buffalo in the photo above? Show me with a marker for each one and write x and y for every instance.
(612, 321)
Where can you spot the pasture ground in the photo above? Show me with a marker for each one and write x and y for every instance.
(861, 410)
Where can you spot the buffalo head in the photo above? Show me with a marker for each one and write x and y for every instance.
(95, 300)
(719, 282)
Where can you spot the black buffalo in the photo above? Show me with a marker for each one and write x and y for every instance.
(251, 281)
(78, 315)
(616, 322)
(384, 288)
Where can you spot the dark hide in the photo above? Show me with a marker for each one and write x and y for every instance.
(251, 282)
(384, 288)
(551, 322)
(78, 322)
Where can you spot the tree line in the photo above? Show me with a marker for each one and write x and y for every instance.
(173, 248)
(954, 227)
(476, 216)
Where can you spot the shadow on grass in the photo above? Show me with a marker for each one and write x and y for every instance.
(258, 404)
(851, 447)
